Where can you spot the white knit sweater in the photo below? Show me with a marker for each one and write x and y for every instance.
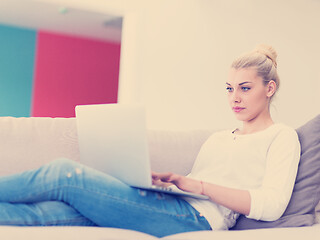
(265, 163)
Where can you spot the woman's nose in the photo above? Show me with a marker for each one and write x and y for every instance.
(235, 97)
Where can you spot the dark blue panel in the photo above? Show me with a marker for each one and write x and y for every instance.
(17, 59)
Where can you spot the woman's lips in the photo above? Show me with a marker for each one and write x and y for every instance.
(237, 109)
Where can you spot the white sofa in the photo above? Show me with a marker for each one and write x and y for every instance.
(27, 143)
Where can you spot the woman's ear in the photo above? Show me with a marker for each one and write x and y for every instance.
(271, 88)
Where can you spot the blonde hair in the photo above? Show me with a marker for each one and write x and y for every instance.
(264, 59)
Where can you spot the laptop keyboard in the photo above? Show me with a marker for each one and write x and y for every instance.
(162, 188)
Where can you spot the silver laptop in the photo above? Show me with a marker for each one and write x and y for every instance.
(113, 139)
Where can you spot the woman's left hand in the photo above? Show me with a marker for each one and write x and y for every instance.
(182, 182)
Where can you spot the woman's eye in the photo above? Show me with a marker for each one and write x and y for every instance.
(245, 89)
(229, 89)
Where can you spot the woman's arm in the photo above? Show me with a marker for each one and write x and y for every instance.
(267, 202)
(234, 199)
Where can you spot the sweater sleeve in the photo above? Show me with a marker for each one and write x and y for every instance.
(269, 201)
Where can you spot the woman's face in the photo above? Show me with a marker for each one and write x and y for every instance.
(248, 97)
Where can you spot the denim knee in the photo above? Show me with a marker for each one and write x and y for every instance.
(61, 165)
(63, 162)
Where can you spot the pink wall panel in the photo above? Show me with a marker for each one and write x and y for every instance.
(72, 70)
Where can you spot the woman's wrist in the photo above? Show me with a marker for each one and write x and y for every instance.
(202, 188)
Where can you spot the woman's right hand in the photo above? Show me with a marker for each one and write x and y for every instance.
(156, 180)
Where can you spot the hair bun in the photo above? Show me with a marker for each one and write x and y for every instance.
(268, 51)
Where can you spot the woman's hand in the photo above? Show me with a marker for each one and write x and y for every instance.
(156, 180)
(182, 182)
(235, 199)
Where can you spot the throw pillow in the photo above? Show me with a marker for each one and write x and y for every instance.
(306, 193)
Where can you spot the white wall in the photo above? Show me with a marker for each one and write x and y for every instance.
(176, 56)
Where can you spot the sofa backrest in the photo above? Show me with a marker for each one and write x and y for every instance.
(175, 151)
(27, 143)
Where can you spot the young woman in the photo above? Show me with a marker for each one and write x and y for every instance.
(249, 170)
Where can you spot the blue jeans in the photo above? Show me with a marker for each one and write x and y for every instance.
(65, 192)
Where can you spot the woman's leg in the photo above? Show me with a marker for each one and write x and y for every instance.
(103, 199)
(50, 213)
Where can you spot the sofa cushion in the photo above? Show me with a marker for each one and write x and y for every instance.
(28, 143)
(306, 193)
(175, 151)
(70, 232)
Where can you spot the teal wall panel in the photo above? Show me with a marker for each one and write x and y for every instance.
(17, 60)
